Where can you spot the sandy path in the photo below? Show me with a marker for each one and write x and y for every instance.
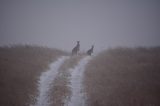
(45, 81)
(77, 95)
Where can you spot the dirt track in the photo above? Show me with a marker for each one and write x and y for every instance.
(62, 84)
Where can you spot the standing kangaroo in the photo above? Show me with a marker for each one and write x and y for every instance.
(90, 51)
(75, 50)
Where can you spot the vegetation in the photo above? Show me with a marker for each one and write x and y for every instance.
(115, 77)
(124, 77)
(61, 92)
(20, 68)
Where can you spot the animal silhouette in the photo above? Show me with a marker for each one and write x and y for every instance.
(90, 51)
(76, 49)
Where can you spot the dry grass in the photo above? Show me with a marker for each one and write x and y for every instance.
(61, 91)
(124, 77)
(20, 67)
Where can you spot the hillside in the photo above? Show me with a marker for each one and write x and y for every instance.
(115, 77)
(124, 77)
(20, 67)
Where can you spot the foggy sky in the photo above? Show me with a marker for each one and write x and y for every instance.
(60, 23)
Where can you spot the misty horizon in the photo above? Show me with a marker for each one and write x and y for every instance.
(59, 24)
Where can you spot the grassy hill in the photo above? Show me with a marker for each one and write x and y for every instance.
(20, 67)
(115, 77)
(124, 77)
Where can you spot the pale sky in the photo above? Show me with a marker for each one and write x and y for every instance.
(60, 23)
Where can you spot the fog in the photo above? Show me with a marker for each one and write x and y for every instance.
(60, 23)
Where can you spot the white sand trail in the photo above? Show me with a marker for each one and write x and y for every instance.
(45, 81)
(77, 96)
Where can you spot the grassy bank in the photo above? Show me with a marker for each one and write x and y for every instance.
(124, 77)
(20, 67)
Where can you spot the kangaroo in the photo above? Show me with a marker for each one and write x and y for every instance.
(76, 49)
(90, 51)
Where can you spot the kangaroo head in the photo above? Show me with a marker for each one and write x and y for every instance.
(92, 46)
(77, 42)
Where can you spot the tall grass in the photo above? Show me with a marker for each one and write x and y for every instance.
(124, 77)
(20, 67)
